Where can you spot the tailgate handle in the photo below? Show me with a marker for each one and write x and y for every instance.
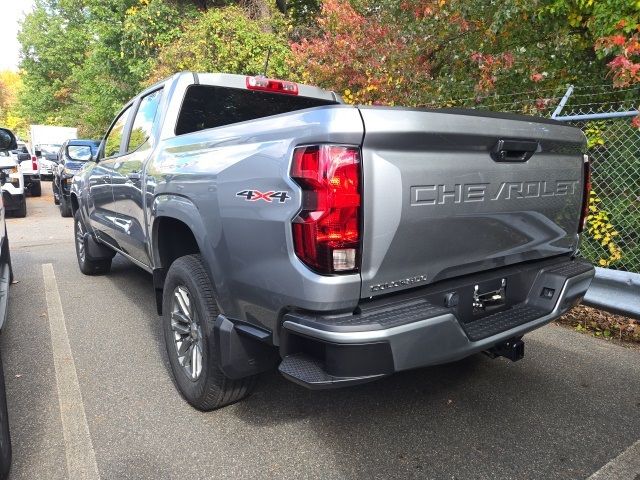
(514, 150)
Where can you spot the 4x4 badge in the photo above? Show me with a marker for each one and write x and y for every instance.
(255, 195)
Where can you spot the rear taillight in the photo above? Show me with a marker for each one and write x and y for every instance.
(326, 232)
(586, 187)
(34, 162)
(270, 85)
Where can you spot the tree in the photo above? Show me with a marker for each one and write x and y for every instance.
(82, 59)
(10, 87)
(227, 40)
(417, 52)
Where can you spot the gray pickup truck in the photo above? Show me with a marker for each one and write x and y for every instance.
(339, 243)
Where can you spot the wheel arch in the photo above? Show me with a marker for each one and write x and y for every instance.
(75, 204)
(177, 229)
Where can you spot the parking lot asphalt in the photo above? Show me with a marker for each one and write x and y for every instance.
(570, 407)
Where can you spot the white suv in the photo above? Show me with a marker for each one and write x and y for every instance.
(13, 187)
(30, 169)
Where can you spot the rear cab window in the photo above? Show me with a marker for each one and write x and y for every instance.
(208, 106)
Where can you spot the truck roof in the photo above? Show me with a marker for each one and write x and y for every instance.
(232, 80)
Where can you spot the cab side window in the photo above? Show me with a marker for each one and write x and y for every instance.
(143, 123)
(114, 137)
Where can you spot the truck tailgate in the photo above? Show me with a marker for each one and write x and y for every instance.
(443, 197)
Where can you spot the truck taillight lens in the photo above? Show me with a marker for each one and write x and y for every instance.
(271, 85)
(34, 162)
(585, 194)
(326, 232)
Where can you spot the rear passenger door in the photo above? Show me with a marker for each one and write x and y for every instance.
(102, 214)
(127, 179)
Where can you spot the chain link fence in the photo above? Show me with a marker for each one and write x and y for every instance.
(613, 228)
(612, 239)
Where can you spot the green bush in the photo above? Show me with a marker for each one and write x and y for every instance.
(226, 40)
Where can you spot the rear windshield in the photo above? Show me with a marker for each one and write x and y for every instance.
(208, 106)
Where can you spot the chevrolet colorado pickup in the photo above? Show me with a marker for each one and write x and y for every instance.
(340, 243)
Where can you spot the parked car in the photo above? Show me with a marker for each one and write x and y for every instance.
(30, 169)
(47, 158)
(72, 156)
(13, 192)
(342, 243)
(7, 143)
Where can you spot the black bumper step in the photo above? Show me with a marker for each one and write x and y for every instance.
(380, 318)
(309, 372)
(502, 321)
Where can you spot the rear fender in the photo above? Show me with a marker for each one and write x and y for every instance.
(182, 209)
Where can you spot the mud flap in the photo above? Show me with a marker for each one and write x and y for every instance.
(95, 250)
(239, 354)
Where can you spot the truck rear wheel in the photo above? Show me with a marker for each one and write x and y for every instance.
(21, 211)
(88, 265)
(189, 311)
(36, 189)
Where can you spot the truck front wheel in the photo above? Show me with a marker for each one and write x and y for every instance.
(65, 206)
(189, 312)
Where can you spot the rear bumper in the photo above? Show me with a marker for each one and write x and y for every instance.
(417, 332)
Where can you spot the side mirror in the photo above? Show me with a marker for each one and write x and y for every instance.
(7, 140)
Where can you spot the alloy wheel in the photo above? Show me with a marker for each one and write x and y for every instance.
(80, 240)
(187, 333)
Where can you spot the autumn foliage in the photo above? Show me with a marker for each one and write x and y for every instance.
(625, 65)
(361, 57)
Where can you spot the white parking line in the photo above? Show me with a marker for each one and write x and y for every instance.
(81, 458)
(624, 466)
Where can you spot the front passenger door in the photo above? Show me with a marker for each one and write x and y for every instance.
(127, 181)
(101, 213)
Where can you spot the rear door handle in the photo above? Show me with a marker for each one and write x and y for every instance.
(514, 150)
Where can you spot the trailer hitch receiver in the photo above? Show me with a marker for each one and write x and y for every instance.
(513, 349)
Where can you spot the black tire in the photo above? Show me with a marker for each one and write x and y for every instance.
(36, 189)
(88, 265)
(21, 211)
(211, 389)
(65, 207)
(56, 192)
(8, 253)
(5, 437)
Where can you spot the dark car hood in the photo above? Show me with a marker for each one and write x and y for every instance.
(73, 166)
